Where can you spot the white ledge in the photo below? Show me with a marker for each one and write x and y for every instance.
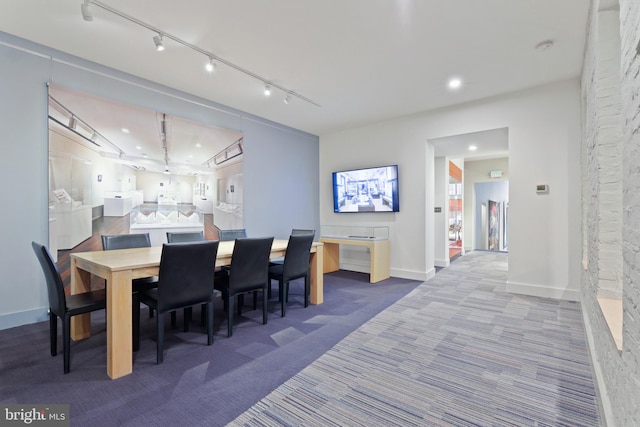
(612, 311)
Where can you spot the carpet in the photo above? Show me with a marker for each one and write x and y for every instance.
(197, 384)
(456, 351)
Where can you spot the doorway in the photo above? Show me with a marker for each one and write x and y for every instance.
(455, 210)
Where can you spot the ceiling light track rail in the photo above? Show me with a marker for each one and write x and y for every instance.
(161, 34)
(73, 124)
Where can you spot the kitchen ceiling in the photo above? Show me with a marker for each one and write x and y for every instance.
(361, 61)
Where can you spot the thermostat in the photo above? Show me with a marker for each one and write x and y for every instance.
(542, 188)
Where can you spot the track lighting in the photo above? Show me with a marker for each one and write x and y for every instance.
(210, 66)
(157, 40)
(73, 122)
(287, 98)
(86, 11)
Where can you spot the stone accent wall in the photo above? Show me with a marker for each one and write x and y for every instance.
(606, 180)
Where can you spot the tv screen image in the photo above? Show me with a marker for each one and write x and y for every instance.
(366, 190)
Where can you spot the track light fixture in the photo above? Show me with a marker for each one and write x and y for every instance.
(267, 89)
(210, 66)
(86, 11)
(287, 98)
(158, 41)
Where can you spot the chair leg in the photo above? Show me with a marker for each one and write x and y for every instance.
(281, 296)
(174, 322)
(160, 338)
(306, 290)
(209, 307)
(53, 332)
(269, 290)
(230, 299)
(240, 303)
(66, 338)
(203, 314)
(255, 300)
(265, 299)
(187, 318)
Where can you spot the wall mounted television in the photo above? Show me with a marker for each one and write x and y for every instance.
(372, 189)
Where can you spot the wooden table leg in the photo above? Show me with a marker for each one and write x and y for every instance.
(119, 325)
(331, 257)
(316, 272)
(80, 282)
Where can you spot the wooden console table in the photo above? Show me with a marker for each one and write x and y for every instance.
(380, 255)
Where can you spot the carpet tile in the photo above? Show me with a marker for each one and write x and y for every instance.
(458, 350)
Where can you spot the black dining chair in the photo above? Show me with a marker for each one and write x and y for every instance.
(64, 307)
(230, 235)
(294, 232)
(128, 241)
(299, 231)
(185, 236)
(186, 279)
(249, 271)
(295, 266)
(280, 260)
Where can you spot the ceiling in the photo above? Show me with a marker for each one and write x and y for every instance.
(138, 137)
(361, 61)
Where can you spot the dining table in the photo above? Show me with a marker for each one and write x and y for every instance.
(120, 267)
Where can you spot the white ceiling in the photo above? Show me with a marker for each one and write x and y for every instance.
(190, 146)
(360, 60)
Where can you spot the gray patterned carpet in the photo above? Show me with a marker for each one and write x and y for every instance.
(457, 351)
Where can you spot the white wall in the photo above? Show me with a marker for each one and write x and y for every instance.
(611, 109)
(441, 219)
(544, 148)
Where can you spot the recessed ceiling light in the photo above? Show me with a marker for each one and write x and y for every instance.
(455, 83)
(124, 130)
(138, 147)
(472, 148)
(198, 145)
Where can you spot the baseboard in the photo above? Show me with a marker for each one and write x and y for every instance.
(11, 320)
(442, 262)
(352, 266)
(604, 404)
(394, 272)
(542, 291)
(413, 275)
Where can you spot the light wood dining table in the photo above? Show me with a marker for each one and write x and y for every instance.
(120, 267)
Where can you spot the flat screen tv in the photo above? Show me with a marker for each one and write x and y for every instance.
(366, 190)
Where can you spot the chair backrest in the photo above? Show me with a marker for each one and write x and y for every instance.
(298, 231)
(296, 259)
(186, 273)
(55, 286)
(125, 241)
(229, 235)
(188, 236)
(250, 263)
